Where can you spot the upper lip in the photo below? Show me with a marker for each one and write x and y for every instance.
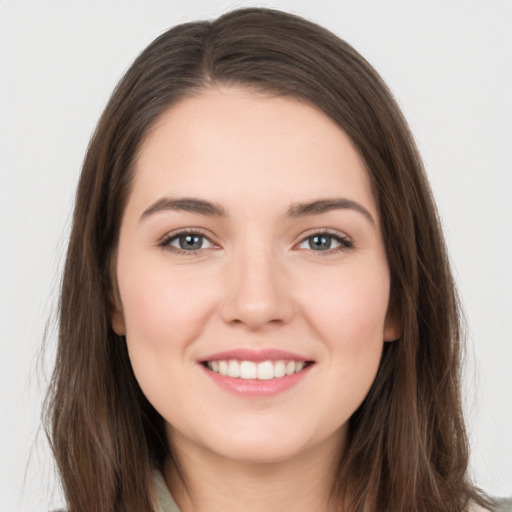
(247, 354)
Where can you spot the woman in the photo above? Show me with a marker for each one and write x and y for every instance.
(257, 311)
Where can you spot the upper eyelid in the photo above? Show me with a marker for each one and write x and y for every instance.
(320, 231)
(185, 231)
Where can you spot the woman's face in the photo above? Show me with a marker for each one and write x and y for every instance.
(252, 276)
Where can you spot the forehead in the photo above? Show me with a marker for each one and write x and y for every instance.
(246, 145)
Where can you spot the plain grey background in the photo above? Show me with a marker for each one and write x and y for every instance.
(448, 62)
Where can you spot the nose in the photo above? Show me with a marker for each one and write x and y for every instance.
(257, 291)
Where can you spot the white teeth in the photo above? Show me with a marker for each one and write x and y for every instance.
(265, 370)
(290, 367)
(233, 368)
(223, 367)
(279, 369)
(248, 370)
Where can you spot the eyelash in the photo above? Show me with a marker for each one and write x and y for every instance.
(345, 243)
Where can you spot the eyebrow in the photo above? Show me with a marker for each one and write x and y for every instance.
(296, 210)
(319, 206)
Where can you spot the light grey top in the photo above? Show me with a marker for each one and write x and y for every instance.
(167, 504)
(163, 496)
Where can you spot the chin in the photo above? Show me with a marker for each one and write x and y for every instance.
(257, 453)
(259, 445)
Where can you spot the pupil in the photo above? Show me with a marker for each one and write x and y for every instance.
(321, 242)
(190, 242)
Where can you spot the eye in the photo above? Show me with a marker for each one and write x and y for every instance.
(191, 242)
(186, 242)
(326, 241)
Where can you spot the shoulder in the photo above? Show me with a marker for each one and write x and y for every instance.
(165, 502)
(502, 505)
(476, 508)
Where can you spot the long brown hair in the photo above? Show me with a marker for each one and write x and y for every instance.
(407, 448)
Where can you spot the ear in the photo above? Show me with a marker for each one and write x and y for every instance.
(116, 311)
(118, 323)
(393, 324)
(116, 308)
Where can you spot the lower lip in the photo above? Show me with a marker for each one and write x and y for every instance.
(256, 387)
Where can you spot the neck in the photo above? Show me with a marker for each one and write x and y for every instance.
(206, 481)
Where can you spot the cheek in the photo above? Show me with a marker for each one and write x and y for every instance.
(350, 322)
(349, 309)
(164, 314)
(162, 311)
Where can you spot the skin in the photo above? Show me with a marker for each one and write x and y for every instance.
(257, 281)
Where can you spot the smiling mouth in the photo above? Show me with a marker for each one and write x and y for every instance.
(264, 370)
